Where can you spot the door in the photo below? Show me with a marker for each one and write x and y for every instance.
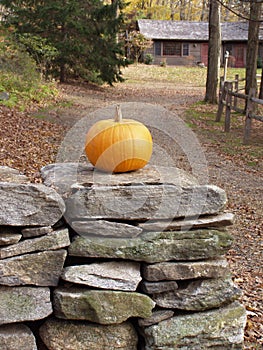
(204, 53)
(239, 53)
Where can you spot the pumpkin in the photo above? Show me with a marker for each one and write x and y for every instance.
(118, 145)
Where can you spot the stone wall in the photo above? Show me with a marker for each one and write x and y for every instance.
(128, 261)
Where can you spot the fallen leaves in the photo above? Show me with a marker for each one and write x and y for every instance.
(27, 143)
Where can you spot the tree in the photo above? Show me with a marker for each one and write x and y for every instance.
(83, 33)
(137, 44)
(252, 46)
(214, 46)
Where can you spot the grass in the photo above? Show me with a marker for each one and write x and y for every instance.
(150, 73)
(194, 76)
(201, 118)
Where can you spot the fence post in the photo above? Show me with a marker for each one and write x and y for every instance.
(236, 89)
(249, 111)
(222, 94)
(229, 88)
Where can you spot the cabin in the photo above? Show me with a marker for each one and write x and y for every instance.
(186, 43)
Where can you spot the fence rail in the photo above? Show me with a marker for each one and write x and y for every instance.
(230, 97)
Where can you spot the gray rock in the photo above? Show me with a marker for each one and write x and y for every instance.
(144, 202)
(20, 304)
(221, 329)
(54, 240)
(186, 270)
(109, 275)
(158, 287)
(105, 228)
(65, 176)
(104, 307)
(9, 235)
(8, 174)
(64, 335)
(4, 96)
(17, 337)
(199, 295)
(41, 269)
(36, 231)
(29, 205)
(157, 316)
(156, 247)
(211, 221)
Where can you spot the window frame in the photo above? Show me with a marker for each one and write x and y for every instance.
(175, 46)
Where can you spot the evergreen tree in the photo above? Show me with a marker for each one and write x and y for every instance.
(83, 33)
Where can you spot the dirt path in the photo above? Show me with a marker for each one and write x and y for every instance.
(242, 184)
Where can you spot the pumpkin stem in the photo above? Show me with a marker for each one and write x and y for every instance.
(118, 115)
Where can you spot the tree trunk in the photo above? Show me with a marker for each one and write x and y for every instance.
(62, 74)
(214, 48)
(252, 46)
(182, 10)
(261, 86)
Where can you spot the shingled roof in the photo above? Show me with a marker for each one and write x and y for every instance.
(192, 31)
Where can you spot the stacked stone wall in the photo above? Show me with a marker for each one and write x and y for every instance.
(127, 261)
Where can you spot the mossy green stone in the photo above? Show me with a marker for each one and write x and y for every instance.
(104, 307)
(156, 246)
(221, 329)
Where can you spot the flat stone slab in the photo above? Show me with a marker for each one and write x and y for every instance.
(211, 221)
(9, 235)
(8, 174)
(155, 247)
(221, 329)
(186, 270)
(199, 295)
(152, 193)
(67, 176)
(157, 316)
(29, 205)
(40, 269)
(20, 304)
(55, 240)
(158, 287)
(109, 275)
(144, 202)
(36, 231)
(60, 335)
(105, 228)
(17, 336)
(99, 306)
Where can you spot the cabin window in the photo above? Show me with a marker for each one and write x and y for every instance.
(171, 48)
(186, 49)
(175, 48)
(157, 48)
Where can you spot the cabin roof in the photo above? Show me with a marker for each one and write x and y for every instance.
(191, 31)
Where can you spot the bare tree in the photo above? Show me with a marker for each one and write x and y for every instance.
(252, 46)
(214, 47)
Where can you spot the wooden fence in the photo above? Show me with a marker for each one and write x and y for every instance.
(232, 99)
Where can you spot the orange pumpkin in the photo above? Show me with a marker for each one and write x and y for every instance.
(118, 145)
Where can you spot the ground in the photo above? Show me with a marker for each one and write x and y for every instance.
(31, 139)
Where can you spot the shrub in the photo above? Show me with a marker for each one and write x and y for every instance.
(148, 59)
(20, 77)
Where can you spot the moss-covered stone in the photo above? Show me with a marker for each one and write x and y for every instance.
(18, 304)
(221, 329)
(156, 247)
(70, 335)
(104, 307)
